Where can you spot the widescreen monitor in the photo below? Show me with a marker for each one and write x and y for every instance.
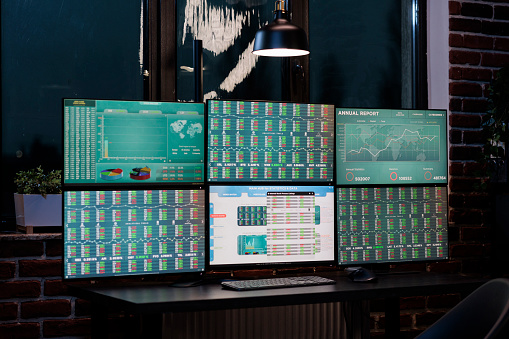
(112, 142)
(391, 147)
(271, 225)
(385, 224)
(252, 141)
(113, 233)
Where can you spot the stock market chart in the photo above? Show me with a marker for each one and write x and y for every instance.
(265, 141)
(271, 224)
(135, 142)
(391, 224)
(375, 146)
(129, 232)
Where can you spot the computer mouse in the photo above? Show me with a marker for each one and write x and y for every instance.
(361, 274)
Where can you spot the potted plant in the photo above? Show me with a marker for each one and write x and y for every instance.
(38, 198)
(495, 128)
(494, 159)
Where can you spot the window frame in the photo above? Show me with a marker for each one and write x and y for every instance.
(161, 47)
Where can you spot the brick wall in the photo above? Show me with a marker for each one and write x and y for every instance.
(34, 303)
(479, 46)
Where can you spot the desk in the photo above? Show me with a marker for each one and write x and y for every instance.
(160, 299)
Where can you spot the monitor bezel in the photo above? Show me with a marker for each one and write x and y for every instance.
(385, 265)
(336, 163)
(271, 265)
(263, 181)
(134, 183)
(143, 276)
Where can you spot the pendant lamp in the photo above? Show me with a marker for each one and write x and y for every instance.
(281, 38)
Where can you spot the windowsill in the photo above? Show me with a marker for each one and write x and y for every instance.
(35, 236)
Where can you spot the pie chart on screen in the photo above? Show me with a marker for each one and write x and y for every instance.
(140, 173)
(112, 174)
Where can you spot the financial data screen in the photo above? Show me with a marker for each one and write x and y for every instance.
(265, 141)
(133, 142)
(133, 232)
(271, 224)
(395, 147)
(391, 224)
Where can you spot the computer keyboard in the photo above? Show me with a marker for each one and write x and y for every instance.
(258, 284)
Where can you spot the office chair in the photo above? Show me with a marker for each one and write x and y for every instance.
(482, 314)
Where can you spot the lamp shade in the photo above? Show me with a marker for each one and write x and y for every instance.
(281, 38)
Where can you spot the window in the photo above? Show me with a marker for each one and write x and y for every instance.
(365, 53)
(144, 51)
(227, 30)
(52, 50)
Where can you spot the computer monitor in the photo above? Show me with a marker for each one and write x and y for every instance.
(391, 147)
(113, 142)
(388, 224)
(271, 225)
(121, 233)
(251, 141)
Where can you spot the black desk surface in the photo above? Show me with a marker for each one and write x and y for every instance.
(164, 298)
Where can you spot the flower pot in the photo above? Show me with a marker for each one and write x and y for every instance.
(35, 210)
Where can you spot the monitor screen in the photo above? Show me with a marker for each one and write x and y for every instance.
(267, 141)
(391, 224)
(133, 142)
(271, 225)
(391, 147)
(133, 232)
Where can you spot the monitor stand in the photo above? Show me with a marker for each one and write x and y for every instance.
(203, 280)
(361, 274)
(190, 283)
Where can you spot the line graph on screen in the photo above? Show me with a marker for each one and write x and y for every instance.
(393, 143)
